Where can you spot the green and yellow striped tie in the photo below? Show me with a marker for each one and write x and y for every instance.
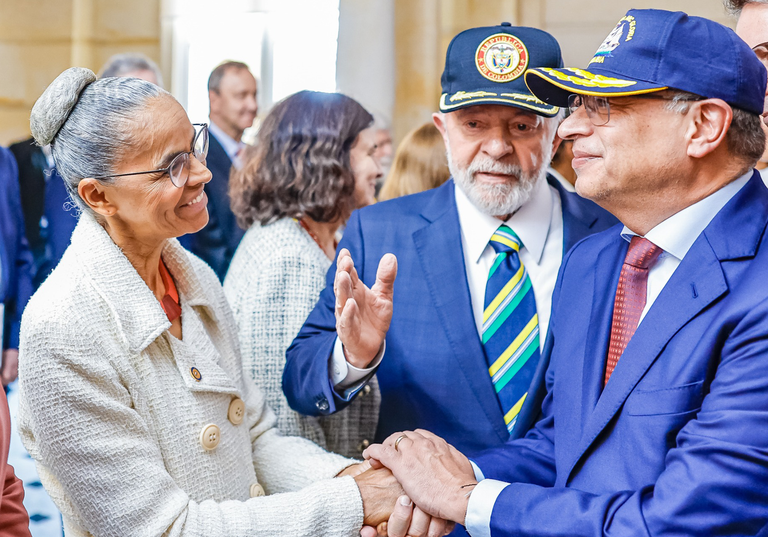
(510, 325)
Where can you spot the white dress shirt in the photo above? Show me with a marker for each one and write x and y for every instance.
(538, 223)
(675, 236)
(231, 146)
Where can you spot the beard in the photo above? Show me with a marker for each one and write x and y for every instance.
(498, 199)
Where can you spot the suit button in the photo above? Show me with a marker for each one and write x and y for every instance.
(256, 490)
(210, 437)
(322, 404)
(236, 411)
(362, 445)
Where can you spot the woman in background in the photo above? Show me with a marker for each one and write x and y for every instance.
(420, 164)
(312, 165)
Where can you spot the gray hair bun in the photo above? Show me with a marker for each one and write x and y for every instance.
(56, 103)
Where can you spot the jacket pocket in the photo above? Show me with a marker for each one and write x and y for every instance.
(673, 400)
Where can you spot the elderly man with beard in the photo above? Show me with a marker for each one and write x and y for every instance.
(462, 351)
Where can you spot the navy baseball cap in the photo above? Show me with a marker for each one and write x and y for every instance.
(652, 50)
(486, 66)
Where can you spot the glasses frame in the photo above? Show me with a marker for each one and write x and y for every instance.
(185, 155)
(593, 115)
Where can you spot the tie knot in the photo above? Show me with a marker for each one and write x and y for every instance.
(504, 240)
(642, 253)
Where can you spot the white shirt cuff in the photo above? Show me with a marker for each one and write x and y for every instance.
(344, 374)
(480, 506)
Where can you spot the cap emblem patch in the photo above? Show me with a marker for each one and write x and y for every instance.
(501, 58)
(612, 42)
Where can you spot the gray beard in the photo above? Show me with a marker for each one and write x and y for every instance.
(497, 199)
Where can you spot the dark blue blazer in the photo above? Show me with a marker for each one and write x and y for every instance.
(15, 257)
(434, 374)
(217, 241)
(677, 442)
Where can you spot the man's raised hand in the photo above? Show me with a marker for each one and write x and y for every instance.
(362, 314)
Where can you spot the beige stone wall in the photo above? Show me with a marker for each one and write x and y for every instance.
(41, 38)
(423, 29)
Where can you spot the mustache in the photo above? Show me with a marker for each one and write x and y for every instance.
(488, 165)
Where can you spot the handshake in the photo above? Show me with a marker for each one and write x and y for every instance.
(413, 484)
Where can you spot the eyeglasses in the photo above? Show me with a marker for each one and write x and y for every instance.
(178, 169)
(599, 108)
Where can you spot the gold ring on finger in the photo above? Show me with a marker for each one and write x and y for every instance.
(399, 439)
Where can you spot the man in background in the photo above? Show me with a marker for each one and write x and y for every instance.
(132, 65)
(232, 91)
(752, 27)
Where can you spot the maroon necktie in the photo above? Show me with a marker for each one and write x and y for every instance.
(630, 297)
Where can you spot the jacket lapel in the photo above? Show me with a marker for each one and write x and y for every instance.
(438, 246)
(696, 283)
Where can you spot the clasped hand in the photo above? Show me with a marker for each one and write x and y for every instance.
(434, 474)
(387, 511)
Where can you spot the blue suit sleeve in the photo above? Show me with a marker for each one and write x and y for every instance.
(306, 378)
(20, 280)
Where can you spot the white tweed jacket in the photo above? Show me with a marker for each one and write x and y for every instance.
(273, 283)
(111, 411)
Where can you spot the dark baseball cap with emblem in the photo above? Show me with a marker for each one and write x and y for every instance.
(652, 50)
(487, 66)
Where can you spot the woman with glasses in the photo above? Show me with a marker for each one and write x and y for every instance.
(133, 400)
(313, 163)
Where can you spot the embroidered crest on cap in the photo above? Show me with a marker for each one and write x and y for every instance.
(611, 43)
(501, 58)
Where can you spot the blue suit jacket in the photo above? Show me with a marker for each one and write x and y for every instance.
(434, 374)
(15, 257)
(217, 241)
(677, 442)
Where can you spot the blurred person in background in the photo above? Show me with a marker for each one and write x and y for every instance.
(313, 163)
(232, 92)
(752, 27)
(16, 268)
(561, 169)
(132, 397)
(385, 147)
(132, 64)
(419, 164)
(49, 217)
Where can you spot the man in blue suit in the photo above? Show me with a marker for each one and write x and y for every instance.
(232, 91)
(16, 266)
(655, 418)
(434, 371)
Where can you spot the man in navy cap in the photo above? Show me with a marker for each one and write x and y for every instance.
(655, 417)
(463, 348)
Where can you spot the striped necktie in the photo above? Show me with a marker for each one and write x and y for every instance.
(510, 325)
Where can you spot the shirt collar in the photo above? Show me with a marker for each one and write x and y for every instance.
(531, 222)
(135, 307)
(676, 234)
(230, 145)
